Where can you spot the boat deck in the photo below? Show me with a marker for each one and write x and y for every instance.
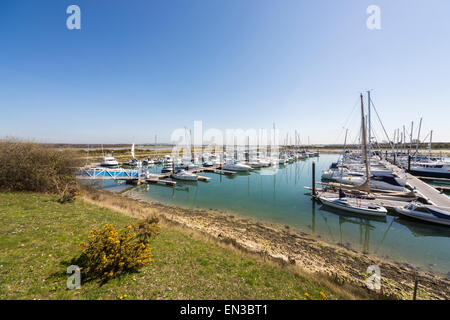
(388, 204)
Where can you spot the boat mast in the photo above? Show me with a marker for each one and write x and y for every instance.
(431, 138)
(410, 137)
(418, 137)
(343, 159)
(369, 122)
(404, 140)
(365, 144)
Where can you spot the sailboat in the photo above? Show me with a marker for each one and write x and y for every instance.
(133, 162)
(357, 206)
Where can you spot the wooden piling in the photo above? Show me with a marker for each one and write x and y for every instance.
(313, 179)
(416, 282)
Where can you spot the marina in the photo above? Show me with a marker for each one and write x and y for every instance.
(368, 189)
(225, 150)
(282, 199)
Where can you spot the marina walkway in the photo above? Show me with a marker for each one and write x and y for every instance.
(428, 192)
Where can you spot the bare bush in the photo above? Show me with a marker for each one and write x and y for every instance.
(29, 166)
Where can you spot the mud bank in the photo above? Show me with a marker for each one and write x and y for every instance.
(340, 264)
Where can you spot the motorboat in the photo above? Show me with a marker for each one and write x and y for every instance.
(378, 180)
(254, 164)
(109, 162)
(428, 213)
(207, 163)
(187, 166)
(167, 159)
(133, 163)
(184, 175)
(356, 206)
(433, 169)
(148, 162)
(236, 166)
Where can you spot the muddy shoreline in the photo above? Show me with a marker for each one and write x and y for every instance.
(288, 246)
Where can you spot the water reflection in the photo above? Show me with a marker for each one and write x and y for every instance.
(362, 223)
(422, 230)
(281, 198)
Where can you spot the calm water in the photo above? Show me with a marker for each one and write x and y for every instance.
(282, 199)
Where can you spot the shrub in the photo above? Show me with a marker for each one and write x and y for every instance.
(147, 229)
(110, 252)
(28, 166)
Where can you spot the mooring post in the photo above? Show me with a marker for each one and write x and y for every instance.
(416, 282)
(314, 179)
(409, 163)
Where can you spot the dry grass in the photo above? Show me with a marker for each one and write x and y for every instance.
(39, 238)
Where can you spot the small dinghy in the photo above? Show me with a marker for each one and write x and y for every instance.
(426, 213)
(184, 175)
(354, 206)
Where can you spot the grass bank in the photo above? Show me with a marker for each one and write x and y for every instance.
(39, 237)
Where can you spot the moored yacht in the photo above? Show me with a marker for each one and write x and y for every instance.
(109, 162)
(236, 166)
(184, 175)
(426, 213)
(434, 169)
(355, 206)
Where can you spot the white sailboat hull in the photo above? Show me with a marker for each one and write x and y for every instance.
(353, 208)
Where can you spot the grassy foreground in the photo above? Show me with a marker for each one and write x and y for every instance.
(39, 237)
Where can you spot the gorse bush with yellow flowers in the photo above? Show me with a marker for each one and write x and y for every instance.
(110, 251)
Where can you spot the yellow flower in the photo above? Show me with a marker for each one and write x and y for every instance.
(323, 295)
(307, 296)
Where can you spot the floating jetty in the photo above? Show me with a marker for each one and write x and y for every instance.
(159, 178)
(428, 192)
(214, 169)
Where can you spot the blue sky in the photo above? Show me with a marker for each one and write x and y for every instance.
(137, 68)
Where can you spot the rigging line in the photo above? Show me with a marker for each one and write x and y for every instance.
(346, 121)
(378, 116)
(351, 113)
